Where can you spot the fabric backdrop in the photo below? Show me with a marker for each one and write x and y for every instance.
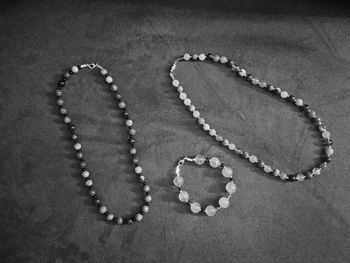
(46, 215)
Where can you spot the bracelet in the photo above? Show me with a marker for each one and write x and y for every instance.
(324, 133)
(85, 173)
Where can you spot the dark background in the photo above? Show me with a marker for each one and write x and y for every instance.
(46, 215)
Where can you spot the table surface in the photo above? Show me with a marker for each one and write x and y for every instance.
(47, 216)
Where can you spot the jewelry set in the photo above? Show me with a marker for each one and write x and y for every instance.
(212, 161)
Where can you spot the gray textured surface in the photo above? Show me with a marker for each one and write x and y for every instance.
(46, 215)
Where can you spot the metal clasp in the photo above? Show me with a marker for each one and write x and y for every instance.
(91, 66)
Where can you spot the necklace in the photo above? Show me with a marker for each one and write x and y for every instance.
(85, 173)
(324, 133)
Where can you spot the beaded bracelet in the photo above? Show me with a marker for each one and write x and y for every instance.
(78, 147)
(214, 162)
(324, 133)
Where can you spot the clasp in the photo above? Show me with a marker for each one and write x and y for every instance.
(91, 66)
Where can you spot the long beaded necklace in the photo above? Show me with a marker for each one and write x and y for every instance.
(85, 173)
(324, 133)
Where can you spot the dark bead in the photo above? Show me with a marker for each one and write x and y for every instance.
(249, 77)
(222, 165)
(144, 183)
(260, 164)
(147, 193)
(277, 91)
(306, 108)
(61, 83)
(132, 141)
(326, 159)
(270, 87)
(83, 164)
(99, 205)
(245, 155)
(231, 179)
(292, 98)
(147, 203)
(66, 75)
(309, 175)
(71, 72)
(106, 213)
(330, 142)
(97, 201)
(91, 187)
(142, 213)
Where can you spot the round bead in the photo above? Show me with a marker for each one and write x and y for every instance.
(312, 114)
(119, 220)
(138, 217)
(187, 56)
(67, 119)
(109, 79)
(114, 87)
(231, 187)
(201, 121)
(214, 162)
(180, 89)
(187, 101)
(195, 208)
(225, 142)
(195, 57)
(242, 73)
(227, 172)
(148, 198)
(103, 209)
(122, 105)
(283, 176)
(145, 208)
(103, 71)
(255, 81)
(146, 188)
(132, 131)
(326, 134)
(284, 94)
(224, 202)
(85, 174)
(329, 151)
(199, 159)
(192, 108)
(206, 127)
(196, 114)
(223, 60)
(232, 146)
(253, 159)
(133, 151)
(276, 172)
(300, 177)
(299, 102)
(77, 146)
(176, 83)
(88, 183)
(138, 169)
(267, 169)
(212, 132)
(183, 95)
(60, 102)
(178, 181)
(210, 210)
(216, 58)
(128, 123)
(201, 57)
(110, 217)
(63, 111)
(75, 69)
(183, 196)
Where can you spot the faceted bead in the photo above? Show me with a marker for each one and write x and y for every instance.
(114, 87)
(195, 208)
(210, 210)
(145, 208)
(216, 58)
(299, 102)
(178, 181)
(110, 217)
(196, 114)
(199, 159)
(223, 60)
(183, 196)
(128, 123)
(75, 69)
(133, 151)
(85, 174)
(138, 217)
(242, 73)
(206, 127)
(284, 94)
(225, 142)
(267, 169)
(326, 134)
(263, 84)
(183, 95)
(77, 146)
(312, 114)
(148, 198)
(283, 176)
(232, 146)
(187, 101)
(276, 172)
(103, 71)
(202, 57)
(121, 105)
(180, 89)
(67, 120)
(103, 209)
(253, 159)
(176, 83)
(109, 79)
(192, 108)
(60, 102)
(201, 121)
(187, 56)
(329, 151)
(195, 57)
(231, 187)
(316, 171)
(146, 188)
(212, 132)
(138, 169)
(63, 111)
(214, 162)
(255, 81)
(224, 202)
(227, 172)
(300, 177)
(88, 183)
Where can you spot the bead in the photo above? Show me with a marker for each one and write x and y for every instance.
(270, 87)
(187, 56)
(183, 196)
(145, 208)
(227, 171)
(225, 142)
(312, 114)
(253, 159)
(309, 175)
(75, 69)
(122, 105)
(219, 138)
(300, 177)
(138, 217)
(216, 58)
(283, 176)
(242, 73)
(299, 102)
(255, 81)
(109, 79)
(316, 171)
(223, 60)
(103, 209)
(77, 146)
(146, 188)
(326, 134)
(214, 162)
(85, 174)
(138, 169)
(178, 181)
(63, 111)
(67, 119)
(323, 165)
(60, 102)
(210, 210)
(92, 192)
(224, 202)
(176, 83)
(201, 57)
(276, 172)
(88, 183)
(66, 75)
(80, 155)
(195, 207)
(263, 84)
(142, 178)
(212, 132)
(133, 151)
(180, 89)
(110, 217)
(201, 121)
(329, 151)
(196, 114)
(199, 159)
(103, 72)
(114, 87)
(128, 123)
(284, 94)
(195, 57)
(148, 198)
(231, 187)
(132, 131)
(183, 95)
(187, 101)
(120, 220)
(59, 92)
(267, 169)
(192, 108)
(232, 146)
(206, 127)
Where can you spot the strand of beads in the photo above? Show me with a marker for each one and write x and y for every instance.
(299, 103)
(214, 162)
(85, 173)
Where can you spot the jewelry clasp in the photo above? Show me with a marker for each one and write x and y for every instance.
(91, 66)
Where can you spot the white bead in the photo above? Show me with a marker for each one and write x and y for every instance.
(109, 79)
(103, 71)
(300, 177)
(219, 138)
(183, 95)
(212, 132)
(231, 187)
(176, 83)
(187, 101)
(148, 198)
(138, 169)
(180, 89)
(77, 146)
(255, 81)
(145, 208)
(253, 159)
(133, 151)
(187, 56)
(183, 196)
(326, 134)
(75, 69)
(263, 84)
(196, 114)
(195, 57)
(214, 162)
(206, 127)
(192, 108)
(267, 169)
(210, 210)
(299, 102)
(63, 110)
(199, 159)
(138, 217)
(122, 105)
(225, 142)
(232, 146)
(224, 202)
(67, 120)
(283, 176)
(178, 181)
(242, 73)
(142, 178)
(88, 183)
(110, 217)
(195, 208)
(276, 172)
(103, 209)
(58, 92)
(216, 58)
(146, 188)
(120, 220)
(201, 121)
(316, 171)
(329, 151)
(202, 57)
(284, 94)
(223, 60)
(85, 174)
(60, 102)
(114, 87)
(128, 123)
(227, 172)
